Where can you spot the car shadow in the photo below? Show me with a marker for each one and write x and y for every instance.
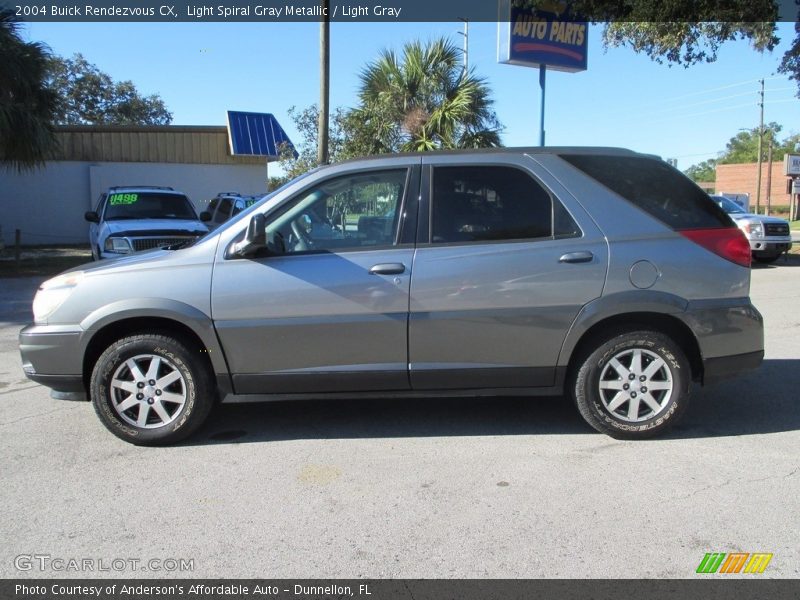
(16, 297)
(763, 401)
(787, 260)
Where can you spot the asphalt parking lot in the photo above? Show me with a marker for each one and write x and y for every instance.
(484, 488)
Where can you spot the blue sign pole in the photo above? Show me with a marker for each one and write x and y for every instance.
(549, 39)
(542, 74)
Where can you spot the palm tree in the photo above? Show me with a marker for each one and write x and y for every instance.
(27, 105)
(424, 100)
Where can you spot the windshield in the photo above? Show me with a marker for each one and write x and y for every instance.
(728, 205)
(148, 205)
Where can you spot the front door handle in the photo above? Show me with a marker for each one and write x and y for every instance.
(387, 269)
(576, 257)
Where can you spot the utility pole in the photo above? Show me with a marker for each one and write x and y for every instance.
(760, 149)
(465, 33)
(769, 177)
(324, 84)
(542, 85)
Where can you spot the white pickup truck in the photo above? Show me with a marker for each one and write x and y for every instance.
(769, 237)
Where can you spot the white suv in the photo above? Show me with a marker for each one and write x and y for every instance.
(130, 219)
(769, 237)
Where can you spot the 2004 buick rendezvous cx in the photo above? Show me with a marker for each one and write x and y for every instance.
(600, 273)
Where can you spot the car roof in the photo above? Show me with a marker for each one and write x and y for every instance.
(144, 188)
(598, 150)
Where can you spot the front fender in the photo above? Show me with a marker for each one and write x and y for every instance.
(164, 308)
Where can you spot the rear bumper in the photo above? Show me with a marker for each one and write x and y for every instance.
(730, 336)
(723, 367)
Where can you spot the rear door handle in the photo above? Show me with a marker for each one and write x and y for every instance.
(387, 269)
(576, 257)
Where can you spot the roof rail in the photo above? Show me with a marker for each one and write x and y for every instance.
(143, 187)
(228, 194)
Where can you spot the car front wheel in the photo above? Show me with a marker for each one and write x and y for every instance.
(632, 385)
(151, 389)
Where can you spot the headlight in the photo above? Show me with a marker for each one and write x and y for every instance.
(756, 229)
(52, 294)
(118, 245)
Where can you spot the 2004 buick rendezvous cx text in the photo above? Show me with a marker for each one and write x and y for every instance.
(599, 273)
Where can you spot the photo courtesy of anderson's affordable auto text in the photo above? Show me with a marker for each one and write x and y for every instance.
(399, 300)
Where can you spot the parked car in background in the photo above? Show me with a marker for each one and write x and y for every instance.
(769, 237)
(131, 219)
(598, 273)
(224, 206)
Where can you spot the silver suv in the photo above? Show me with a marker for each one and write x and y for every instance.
(601, 274)
(769, 237)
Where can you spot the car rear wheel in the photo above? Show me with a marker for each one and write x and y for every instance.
(151, 389)
(632, 385)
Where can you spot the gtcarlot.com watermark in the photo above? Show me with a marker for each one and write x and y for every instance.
(61, 564)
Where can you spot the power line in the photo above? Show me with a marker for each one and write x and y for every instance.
(707, 112)
(723, 87)
(712, 101)
(702, 102)
(730, 96)
(698, 154)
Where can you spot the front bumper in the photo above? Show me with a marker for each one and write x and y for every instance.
(51, 356)
(771, 246)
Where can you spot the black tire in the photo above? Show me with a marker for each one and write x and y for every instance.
(601, 408)
(193, 382)
(767, 260)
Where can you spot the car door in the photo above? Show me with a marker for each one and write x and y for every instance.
(326, 310)
(505, 260)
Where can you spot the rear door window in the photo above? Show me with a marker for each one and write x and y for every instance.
(487, 203)
(655, 187)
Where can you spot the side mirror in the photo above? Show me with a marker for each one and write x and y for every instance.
(91, 216)
(205, 216)
(254, 238)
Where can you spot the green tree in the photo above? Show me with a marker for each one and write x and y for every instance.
(422, 100)
(686, 32)
(88, 96)
(27, 105)
(743, 147)
(704, 171)
(305, 121)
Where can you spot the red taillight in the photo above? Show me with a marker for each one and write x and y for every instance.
(729, 243)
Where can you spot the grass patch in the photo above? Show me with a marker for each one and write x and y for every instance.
(794, 225)
(45, 266)
(43, 261)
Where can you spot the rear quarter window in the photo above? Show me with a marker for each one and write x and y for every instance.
(656, 188)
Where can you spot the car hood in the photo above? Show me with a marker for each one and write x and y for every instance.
(755, 217)
(156, 227)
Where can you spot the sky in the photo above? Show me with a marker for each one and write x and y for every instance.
(201, 70)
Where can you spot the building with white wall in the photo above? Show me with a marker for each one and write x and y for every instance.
(47, 204)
